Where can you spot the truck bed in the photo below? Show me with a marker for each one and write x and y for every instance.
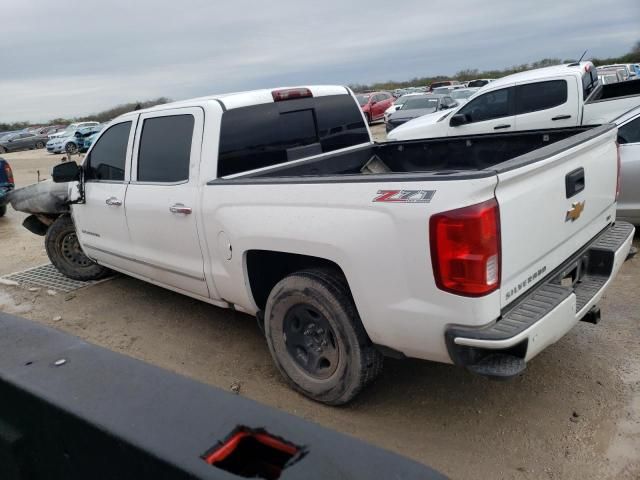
(449, 157)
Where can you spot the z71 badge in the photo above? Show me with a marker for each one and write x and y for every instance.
(405, 196)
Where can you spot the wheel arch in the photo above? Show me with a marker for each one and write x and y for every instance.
(265, 268)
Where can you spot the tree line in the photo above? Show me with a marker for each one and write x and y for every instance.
(101, 117)
(470, 74)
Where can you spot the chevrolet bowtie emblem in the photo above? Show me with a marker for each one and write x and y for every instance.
(575, 211)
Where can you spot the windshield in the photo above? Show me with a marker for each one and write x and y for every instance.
(420, 102)
(363, 99)
(458, 94)
(402, 100)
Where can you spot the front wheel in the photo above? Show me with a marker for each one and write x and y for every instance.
(39, 144)
(3, 150)
(316, 337)
(64, 251)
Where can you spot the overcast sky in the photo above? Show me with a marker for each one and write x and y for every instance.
(63, 58)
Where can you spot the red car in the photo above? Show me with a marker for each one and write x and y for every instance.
(374, 104)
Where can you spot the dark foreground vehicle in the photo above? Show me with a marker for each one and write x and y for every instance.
(6, 184)
(68, 412)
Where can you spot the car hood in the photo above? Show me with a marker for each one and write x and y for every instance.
(410, 114)
(426, 126)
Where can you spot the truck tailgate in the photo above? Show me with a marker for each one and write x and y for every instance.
(552, 202)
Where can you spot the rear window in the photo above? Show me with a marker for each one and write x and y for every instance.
(540, 96)
(273, 133)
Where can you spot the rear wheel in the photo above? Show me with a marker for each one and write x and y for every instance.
(316, 337)
(3, 150)
(64, 251)
(3, 210)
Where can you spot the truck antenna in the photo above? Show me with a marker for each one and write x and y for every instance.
(575, 64)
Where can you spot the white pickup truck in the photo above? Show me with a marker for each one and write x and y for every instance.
(479, 251)
(552, 97)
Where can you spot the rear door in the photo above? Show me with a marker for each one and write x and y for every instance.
(548, 104)
(492, 112)
(162, 200)
(550, 208)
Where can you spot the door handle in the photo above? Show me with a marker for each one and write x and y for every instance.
(561, 117)
(180, 208)
(500, 127)
(113, 202)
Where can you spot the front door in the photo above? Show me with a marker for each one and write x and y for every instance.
(491, 112)
(162, 199)
(100, 221)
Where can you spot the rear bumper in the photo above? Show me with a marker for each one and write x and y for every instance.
(547, 313)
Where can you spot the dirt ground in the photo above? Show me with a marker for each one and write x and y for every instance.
(574, 414)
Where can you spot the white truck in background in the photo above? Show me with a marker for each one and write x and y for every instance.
(479, 251)
(552, 97)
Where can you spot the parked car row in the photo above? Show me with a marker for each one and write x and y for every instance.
(73, 139)
(14, 142)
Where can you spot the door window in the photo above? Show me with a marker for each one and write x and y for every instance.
(630, 132)
(489, 106)
(109, 155)
(533, 97)
(165, 149)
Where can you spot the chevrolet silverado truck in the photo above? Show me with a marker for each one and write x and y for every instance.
(551, 97)
(477, 251)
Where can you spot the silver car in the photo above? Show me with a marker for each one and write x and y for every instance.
(629, 141)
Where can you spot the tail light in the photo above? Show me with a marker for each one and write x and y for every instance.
(618, 172)
(9, 173)
(290, 94)
(465, 249)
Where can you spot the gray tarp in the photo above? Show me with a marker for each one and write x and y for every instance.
(43, 197)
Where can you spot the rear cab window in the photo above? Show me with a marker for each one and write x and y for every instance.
(273, 133)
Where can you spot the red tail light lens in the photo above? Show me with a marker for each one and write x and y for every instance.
(290, 94)
(465, 249)
(9, 173)
(618, 172)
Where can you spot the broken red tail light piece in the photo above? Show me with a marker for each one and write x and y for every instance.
(253, 453)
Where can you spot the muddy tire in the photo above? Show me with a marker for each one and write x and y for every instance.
(3, 210)
(66, 255)
(316, 338)
(39, 145)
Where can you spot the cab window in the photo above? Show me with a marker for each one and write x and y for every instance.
(491, 105)
(109, 155)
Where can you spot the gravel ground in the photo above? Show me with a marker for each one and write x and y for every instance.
(574, 414)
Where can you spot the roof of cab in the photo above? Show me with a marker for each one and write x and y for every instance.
(248, 98)
(539, 74)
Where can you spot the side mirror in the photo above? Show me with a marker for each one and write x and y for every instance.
(459, 119)
(66, 172)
